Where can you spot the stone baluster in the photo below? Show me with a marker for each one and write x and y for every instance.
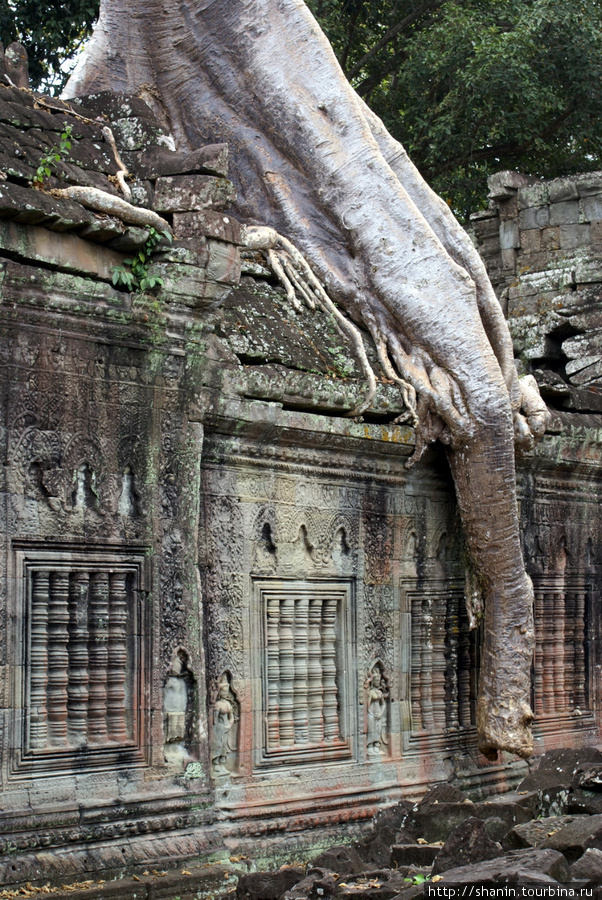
(315, 687)
(77, 688)
(98, 658)
(415, 686)
(331, 706)
(58, 658)
(464, 711)
(452, 663)
(40, 598)
(426, 665)
(569, 649)
(300, 711)
(538, 655)
(287, 671)
(438, 664)
(117, 657)
(548, 645)
(560, 692)
(273, 666)
(580, 673)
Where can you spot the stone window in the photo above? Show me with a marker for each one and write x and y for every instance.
(306, 642)
(562, 638)
(444, 658)
(80, 685)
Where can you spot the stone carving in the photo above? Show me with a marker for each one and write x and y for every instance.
(177, 711)
(302, 690)
(377, 701)
(79, 672)
(223, 729)
(378, 628)
(560, 676)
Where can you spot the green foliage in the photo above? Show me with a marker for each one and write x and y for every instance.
(418, 879)
(137, 278)
(51, 32)
(49, 161)
(471, 87)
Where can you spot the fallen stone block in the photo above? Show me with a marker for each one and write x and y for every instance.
(267, 885)
(413, 854)
(467, 845)
(514, 866)
(574, 839)
(436, 821)
(537, 832)
(588, 868)
(343, 860)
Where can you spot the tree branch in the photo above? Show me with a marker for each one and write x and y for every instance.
(391, 33)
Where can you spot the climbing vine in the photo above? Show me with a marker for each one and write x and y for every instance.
(49, 161)
(136, 277)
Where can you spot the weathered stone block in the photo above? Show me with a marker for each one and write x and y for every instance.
(413, 854)
(188, 285)
(508, 209)
(589, 184)
(574, 236)
(509, 235)
(564, 213)
(468, 844)
(61, 251)
(156, 162)
(490, 246)
(533, 195)
(115, 105)
(588, 271)
(139, 133)
(550, 239)
(224, 262)
(508, 260)
(187, 193)
(575, 838)
(534, 217)
(592, 207)
(518, 865)
(505, 184)
(207, 223)
(562, 189)
(530, 240)
(596, 235)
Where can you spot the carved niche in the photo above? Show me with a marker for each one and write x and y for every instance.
(80, 657)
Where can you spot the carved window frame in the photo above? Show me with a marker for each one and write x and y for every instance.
(28, 558)
(549, 660)
(341, 592)
(454, 707)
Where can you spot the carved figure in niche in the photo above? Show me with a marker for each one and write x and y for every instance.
(176, 711)
(223, 731)
(377, 698)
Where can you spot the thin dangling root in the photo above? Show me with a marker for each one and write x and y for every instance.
(123, 172)
(408, 392)
(297, 278)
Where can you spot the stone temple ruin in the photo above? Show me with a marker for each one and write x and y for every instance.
(232, 620)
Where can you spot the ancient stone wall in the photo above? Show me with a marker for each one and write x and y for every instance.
(542, 244)
(232, 620)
